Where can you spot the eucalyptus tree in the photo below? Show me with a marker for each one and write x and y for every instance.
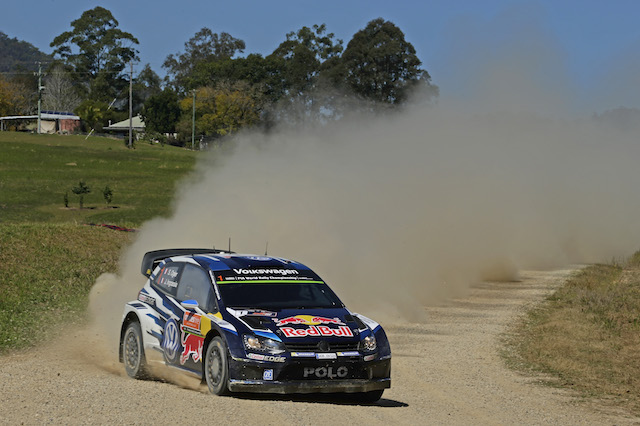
(204, 47)
(379, 65)
(95, 53)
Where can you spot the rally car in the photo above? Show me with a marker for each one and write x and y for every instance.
(244, 323)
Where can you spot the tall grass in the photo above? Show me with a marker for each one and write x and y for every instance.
(587, 334)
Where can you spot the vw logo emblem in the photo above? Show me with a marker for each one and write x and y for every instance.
(171, 341)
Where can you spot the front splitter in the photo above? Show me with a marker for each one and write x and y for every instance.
(310, 386)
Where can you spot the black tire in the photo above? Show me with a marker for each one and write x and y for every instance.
(216, 367)
(369, 397)
(133, 356)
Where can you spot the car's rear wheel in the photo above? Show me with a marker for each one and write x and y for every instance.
(370, 397)
(216, 367)
(135, 362)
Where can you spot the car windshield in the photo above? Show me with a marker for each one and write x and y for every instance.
(275, 296)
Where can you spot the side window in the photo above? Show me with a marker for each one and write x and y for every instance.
(167, 279)
(195, 284)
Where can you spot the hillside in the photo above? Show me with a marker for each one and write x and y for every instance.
(19, 55)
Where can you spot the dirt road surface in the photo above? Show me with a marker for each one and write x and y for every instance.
(444, 371)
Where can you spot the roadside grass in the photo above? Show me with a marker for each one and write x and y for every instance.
(586, 336)
(37, 170)
(47, 273)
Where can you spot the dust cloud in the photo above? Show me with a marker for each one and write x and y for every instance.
(406, 209)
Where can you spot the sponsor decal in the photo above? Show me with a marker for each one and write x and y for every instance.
(317, 331)
(304, 354)
(267, 374)
(267, 358)
(192, 345)
(283, 272)
(326, 356)
(255, 313)
(307, 320)
(251, 313)
(258, 258)
(171, 341)
(370, 357)
(259, 357)
(191, 320)
(326, 372)
(194, 328)
(146, 299)
(351, 353)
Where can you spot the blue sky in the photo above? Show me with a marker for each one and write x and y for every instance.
(591, 40)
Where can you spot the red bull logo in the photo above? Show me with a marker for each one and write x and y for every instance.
(192, 345)
(317, 331)
(307, 320)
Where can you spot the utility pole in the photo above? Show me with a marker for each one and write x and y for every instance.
(131, 106)
(40, 89)
(193, 123)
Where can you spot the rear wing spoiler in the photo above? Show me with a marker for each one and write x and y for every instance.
(152, 259)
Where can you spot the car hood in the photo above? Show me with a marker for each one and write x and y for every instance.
(303, 325)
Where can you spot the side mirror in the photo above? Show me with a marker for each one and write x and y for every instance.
(189, 304)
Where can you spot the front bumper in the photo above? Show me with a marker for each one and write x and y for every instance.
(300, 376)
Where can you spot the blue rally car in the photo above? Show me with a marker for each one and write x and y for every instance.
(247, 323)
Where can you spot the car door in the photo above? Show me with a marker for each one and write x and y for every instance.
(194, 285)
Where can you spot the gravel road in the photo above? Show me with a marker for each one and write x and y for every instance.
(444, 371)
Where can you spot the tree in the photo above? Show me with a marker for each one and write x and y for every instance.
(221, 110)
(107, 194)
(380, 65)
(95, 114)
(96, 51)
(205, 46)
(304, 53)
(263, 75)
(14, 98)
(146, 84)
(59, 93)
(80, 190)
(161, 112)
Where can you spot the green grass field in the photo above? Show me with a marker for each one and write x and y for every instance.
(37, 170)
(49, 258)
(47, 271)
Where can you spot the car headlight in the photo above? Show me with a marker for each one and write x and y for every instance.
(369, 343)
(262, 344)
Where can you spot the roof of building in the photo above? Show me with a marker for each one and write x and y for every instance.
(137, 123)
(44, 115)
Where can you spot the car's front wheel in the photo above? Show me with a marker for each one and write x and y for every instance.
(216, 367)
(135, 362)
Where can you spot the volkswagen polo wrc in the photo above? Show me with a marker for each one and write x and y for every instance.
(245, 323)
